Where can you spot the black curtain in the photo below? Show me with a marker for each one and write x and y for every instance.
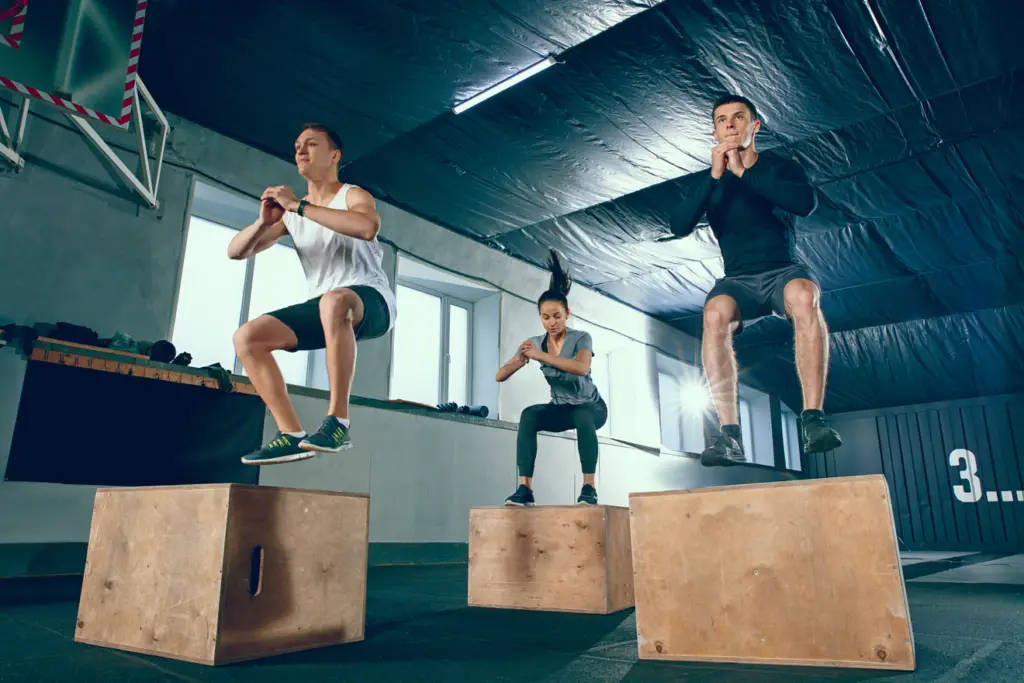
(82, 426)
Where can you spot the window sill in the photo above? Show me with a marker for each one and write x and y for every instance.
(696, 456)
(511, 426)
(399, 407)
(57, 351)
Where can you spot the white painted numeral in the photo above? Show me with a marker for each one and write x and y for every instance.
(972, 492)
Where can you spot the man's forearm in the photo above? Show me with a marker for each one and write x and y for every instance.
(693, 206)
(245, 242)
(346, 222)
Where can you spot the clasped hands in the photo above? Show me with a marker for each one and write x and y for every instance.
(282, 196)
(727, 155)
(527, 351)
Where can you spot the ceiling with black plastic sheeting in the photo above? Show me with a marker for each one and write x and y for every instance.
(375, 69)
(907, 116)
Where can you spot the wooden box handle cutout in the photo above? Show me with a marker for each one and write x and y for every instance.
(256, 571)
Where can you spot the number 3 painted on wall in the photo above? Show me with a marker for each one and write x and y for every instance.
(971, 494)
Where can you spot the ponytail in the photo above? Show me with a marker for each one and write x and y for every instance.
(561, 283)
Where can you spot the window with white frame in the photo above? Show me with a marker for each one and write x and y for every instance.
(791, 439)
(747, 429)
(277, 281)
(210, 297)
(217, 295)
(683, 401)
(432, 353)
(668, 406)
(445, 338)
(756, 426)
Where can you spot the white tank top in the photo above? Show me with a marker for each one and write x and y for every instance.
(331, 260)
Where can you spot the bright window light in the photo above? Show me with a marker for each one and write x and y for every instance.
(416, 373)
(210, 296)
(278, 281)
(694, 398)
(458, 354)
(505, 84)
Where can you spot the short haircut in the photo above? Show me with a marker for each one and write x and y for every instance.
(729, 99)
(328, 131)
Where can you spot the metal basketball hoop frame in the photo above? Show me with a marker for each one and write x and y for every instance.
(146, 181)
(16, 13)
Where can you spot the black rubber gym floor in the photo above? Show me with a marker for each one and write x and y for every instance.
(420, 629)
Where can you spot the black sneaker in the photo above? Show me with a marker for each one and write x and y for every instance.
(282, 448)
(522, 496)
(588, 495)
(725, 451)
(332, 437)
(818, 436)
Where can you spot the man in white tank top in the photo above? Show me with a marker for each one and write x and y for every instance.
(334, 229)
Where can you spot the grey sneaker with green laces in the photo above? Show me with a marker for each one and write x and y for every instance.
(281, 449)
(332, 437)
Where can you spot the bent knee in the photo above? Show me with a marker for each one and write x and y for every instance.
(261, 334)
(528, 418)
(584, 421)
(719, 315)
(338, 305)
(802, 299)
(244, 338)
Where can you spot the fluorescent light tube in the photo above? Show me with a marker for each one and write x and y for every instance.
(505, 84)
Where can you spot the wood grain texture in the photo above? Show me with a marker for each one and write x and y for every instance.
(161, 372)
(555, 558)
(798, 573)
(620, 559)
(168, 571)
(313, 591)
(153, 571)
(102, 349)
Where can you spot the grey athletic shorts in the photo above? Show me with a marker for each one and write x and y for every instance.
(761, 294)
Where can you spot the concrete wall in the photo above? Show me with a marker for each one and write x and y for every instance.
(76, 247)
(423, 473)
(421, 496)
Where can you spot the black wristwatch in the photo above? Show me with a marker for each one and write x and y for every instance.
(302, 206)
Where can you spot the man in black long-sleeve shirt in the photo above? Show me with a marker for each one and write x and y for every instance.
(751, 201)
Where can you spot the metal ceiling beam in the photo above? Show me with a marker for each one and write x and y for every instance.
(10, 145)
(145, 183)
(147, 186)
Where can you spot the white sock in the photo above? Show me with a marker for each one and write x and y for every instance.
(297, 435)
(343, 420)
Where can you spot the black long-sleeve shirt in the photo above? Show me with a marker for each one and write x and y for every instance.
(753, 216)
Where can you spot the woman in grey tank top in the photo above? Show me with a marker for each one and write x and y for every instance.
(564, 356)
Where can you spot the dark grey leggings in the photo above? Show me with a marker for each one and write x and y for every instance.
(586, 419)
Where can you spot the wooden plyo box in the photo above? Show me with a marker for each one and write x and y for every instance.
(223, 573)
(800, 573)
(562, 558)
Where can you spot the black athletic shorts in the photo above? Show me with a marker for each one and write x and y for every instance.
(304, 319)
(761, 294)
